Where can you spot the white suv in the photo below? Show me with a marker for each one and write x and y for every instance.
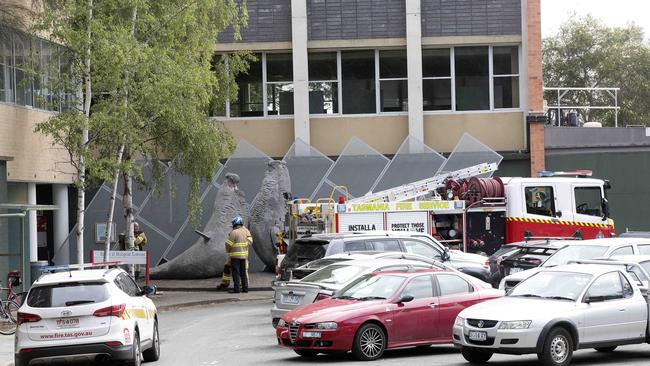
(93, 315)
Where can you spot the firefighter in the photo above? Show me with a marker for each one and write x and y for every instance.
(237, 245)
(139, 242)
(226, 277)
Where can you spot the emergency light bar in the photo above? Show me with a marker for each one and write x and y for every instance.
(71, 267)
(568, 173)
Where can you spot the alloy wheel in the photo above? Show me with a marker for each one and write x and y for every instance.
(372, 342)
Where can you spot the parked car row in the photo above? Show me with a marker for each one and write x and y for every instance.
(562, 296)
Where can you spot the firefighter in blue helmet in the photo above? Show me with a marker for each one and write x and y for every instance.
(237, 245)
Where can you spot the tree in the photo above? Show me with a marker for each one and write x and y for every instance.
(149, 82)
(587, 53)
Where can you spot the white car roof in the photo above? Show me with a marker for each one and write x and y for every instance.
(612, 241)
(631, 258)
(77, 275)
(592, 269)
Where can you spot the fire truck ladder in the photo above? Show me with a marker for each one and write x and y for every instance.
(423, 187)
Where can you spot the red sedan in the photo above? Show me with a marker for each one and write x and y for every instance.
(381, 311)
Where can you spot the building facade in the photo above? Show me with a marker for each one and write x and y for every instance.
(329, 70)
(32, 169)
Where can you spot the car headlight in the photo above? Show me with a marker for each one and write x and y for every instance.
(517, 324)
(282, 323)
(326, 325)
(459, 321)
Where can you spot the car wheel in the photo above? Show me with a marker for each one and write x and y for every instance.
(475, 356)
(153, 353)
(369, 342)
(305, 353)
(558, 348)
(605, 349)
(136, 357)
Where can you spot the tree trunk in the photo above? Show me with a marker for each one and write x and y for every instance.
(111, 205)
(128, 212)
(81, 173)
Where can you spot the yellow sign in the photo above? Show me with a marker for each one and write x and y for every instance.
(405, 206)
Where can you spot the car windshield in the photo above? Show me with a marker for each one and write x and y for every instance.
(67, 294)
(372, 287)
(335, 274)
(574, 252)
(553, 285)
(306, 251)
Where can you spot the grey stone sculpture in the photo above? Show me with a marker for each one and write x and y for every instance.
(269, 212)
(207, 256)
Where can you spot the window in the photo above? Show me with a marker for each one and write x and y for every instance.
(358, 79)
(355, 246)
(385, 245)
(628, 291)
(393, 84)
(606, 287)
(644, 249)
(452, 284)
(127, 285)
(6, 69)
(323, 83)
(622, 251)
(540, 201)
(68, 294)
(279, 83)
(420, 287)
(472, 78)
(249, 95)
(22, 57)
(505, 69)
(588, 201)
(418, 247)
(436, 79)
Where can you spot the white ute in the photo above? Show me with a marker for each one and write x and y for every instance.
(92, 315)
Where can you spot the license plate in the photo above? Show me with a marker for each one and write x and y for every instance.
(291, 299)
(311, 334)
(515, 270)
(477, 336)
(65, 323)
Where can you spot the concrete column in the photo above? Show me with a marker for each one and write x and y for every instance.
(414, 61)
(61, 224)
(33, 243)
(300, 70)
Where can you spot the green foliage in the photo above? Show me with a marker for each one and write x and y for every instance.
(587, 53)
(153, 82)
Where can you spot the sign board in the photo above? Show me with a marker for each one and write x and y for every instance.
(100, 232)
(368, 221)
(406, 206)
(407, 221)
(124, 256)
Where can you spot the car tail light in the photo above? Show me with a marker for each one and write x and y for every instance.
(322, 297)
(25, 350)
(114, 344)
(115, 310)
(27, 318)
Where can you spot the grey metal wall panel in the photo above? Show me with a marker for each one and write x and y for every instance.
(268, 21)
(356, 19)
(470, 17)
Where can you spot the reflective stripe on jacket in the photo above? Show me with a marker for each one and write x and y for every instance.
(238, 242)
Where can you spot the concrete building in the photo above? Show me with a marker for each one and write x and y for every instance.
(328, 70)
(32, 170)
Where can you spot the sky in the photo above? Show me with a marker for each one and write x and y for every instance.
(612, 12)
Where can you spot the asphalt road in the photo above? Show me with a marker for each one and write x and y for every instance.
(241, 334)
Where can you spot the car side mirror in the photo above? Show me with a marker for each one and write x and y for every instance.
(148, 290)
(605, 207)
(405, 298)
(445, 255)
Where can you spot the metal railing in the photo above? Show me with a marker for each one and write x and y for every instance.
(561, 93)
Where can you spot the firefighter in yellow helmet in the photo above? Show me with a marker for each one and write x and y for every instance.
(237, 245)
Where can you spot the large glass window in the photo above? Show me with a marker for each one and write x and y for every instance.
(6, 69)
(323, 83)
(505, 69)
(472, 78)
(393, 83)
(588, 201)
(540, 200)
(249, 95)
(358, 78)
(436, 79)
(22, 59)
(279, 83)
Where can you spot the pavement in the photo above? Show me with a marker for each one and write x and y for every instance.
(175, 294)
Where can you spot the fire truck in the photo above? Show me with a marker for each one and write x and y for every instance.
(467, 211)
